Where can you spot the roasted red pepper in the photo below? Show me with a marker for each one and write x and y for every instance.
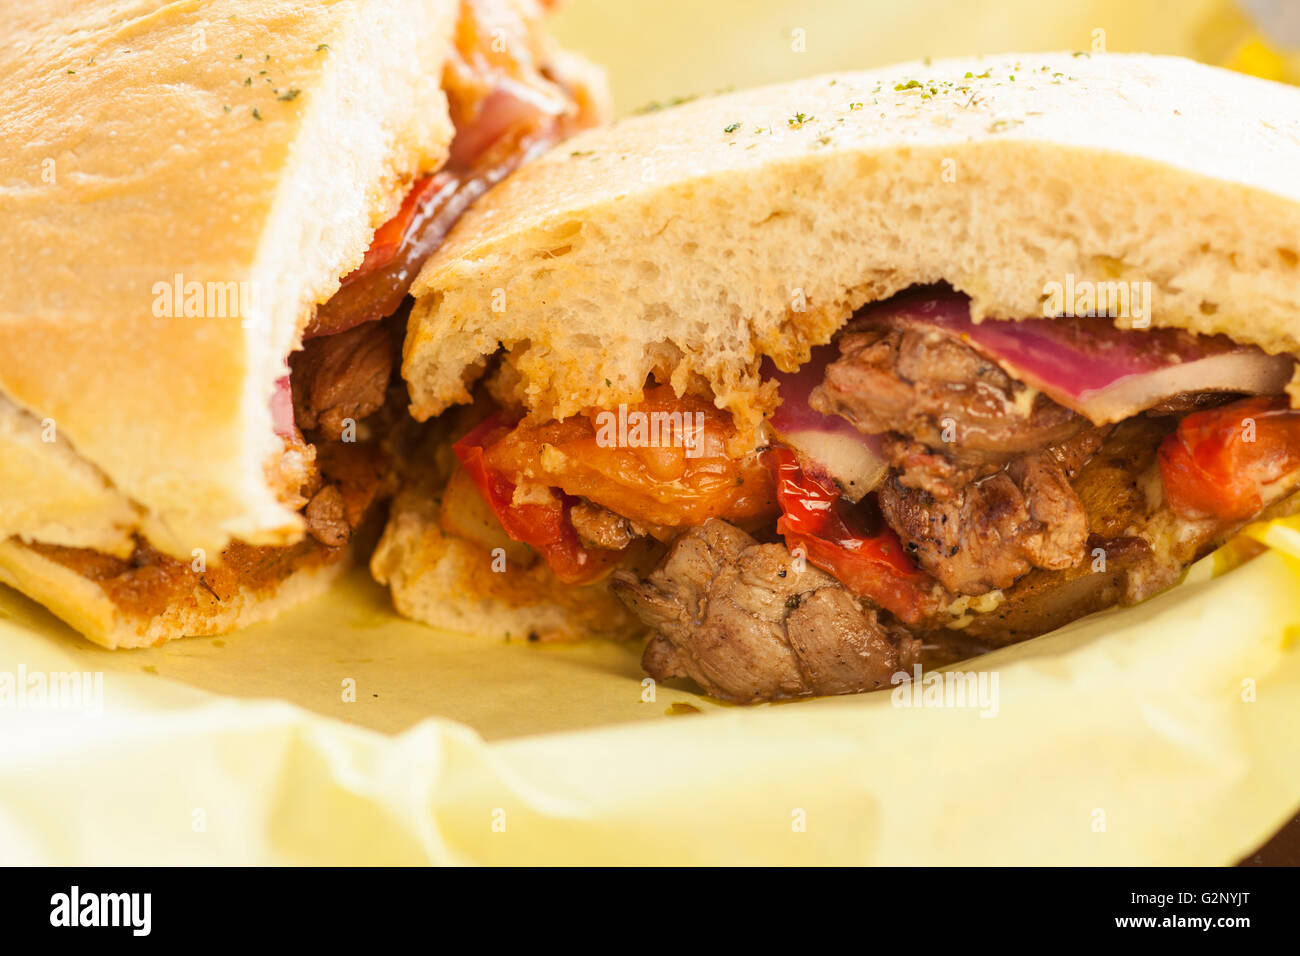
(544, 525)
(1227, 462)
(390, 237)
(839, 537)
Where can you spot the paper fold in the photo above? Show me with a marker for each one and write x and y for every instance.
(1162, 734)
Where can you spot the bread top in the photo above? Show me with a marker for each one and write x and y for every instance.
(694, 240)
(243, 145)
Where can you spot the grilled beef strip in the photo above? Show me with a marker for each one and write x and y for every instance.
(992, 531)
(744, 622)
(927, 388)
(980, 488)
(341, 378)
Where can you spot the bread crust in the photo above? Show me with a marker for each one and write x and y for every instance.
(87, 607)
(696, 240)
(448, 582)
(226, 142)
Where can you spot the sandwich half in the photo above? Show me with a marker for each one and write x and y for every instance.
(210, 214)
(814, 382)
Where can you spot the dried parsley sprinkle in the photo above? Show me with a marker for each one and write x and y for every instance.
(909, 85)
(248, 81)
(731, 128)
(798, 120)
(257, 114)
(322, 48)
(855, 106)
(289, 94)
(656, 106)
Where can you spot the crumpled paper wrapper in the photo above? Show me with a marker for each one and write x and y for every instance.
(1161, 734)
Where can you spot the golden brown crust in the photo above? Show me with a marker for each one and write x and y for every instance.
(112, 619)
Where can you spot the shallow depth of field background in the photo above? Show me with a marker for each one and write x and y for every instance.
(658, 49)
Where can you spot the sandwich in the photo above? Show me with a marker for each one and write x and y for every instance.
(811, 384)
(210, 214)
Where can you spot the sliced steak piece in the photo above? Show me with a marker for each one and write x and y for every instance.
(990, 532)
(352, 479)
(927, 386)
(936, 473)
(325, 518)
(598, 527)
(1137, 546)
(341, 377)
(739, 619)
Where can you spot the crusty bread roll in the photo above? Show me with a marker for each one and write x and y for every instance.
(697, 239)
(694, 241)
(181, 185)
(226, 142)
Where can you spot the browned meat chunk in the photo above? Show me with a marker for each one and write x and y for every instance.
(990, 532)
(325, 518)
(341, 377)
(928, 386)
(599, 527)
(980, 488)
(353, 477)
(737, 617)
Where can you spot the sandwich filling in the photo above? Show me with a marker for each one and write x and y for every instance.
(927, 487)
(338, 406)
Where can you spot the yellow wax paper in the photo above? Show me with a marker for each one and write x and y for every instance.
(1161, 734)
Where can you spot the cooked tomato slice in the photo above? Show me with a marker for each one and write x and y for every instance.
(543, 523)
(663, 461)
(1228, 462)
(841, 538)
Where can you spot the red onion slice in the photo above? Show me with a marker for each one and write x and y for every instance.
(1088, 365)
(282, 408)
(829, 447)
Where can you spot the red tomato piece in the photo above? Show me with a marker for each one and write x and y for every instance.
(543, 525)
(1226, 462)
